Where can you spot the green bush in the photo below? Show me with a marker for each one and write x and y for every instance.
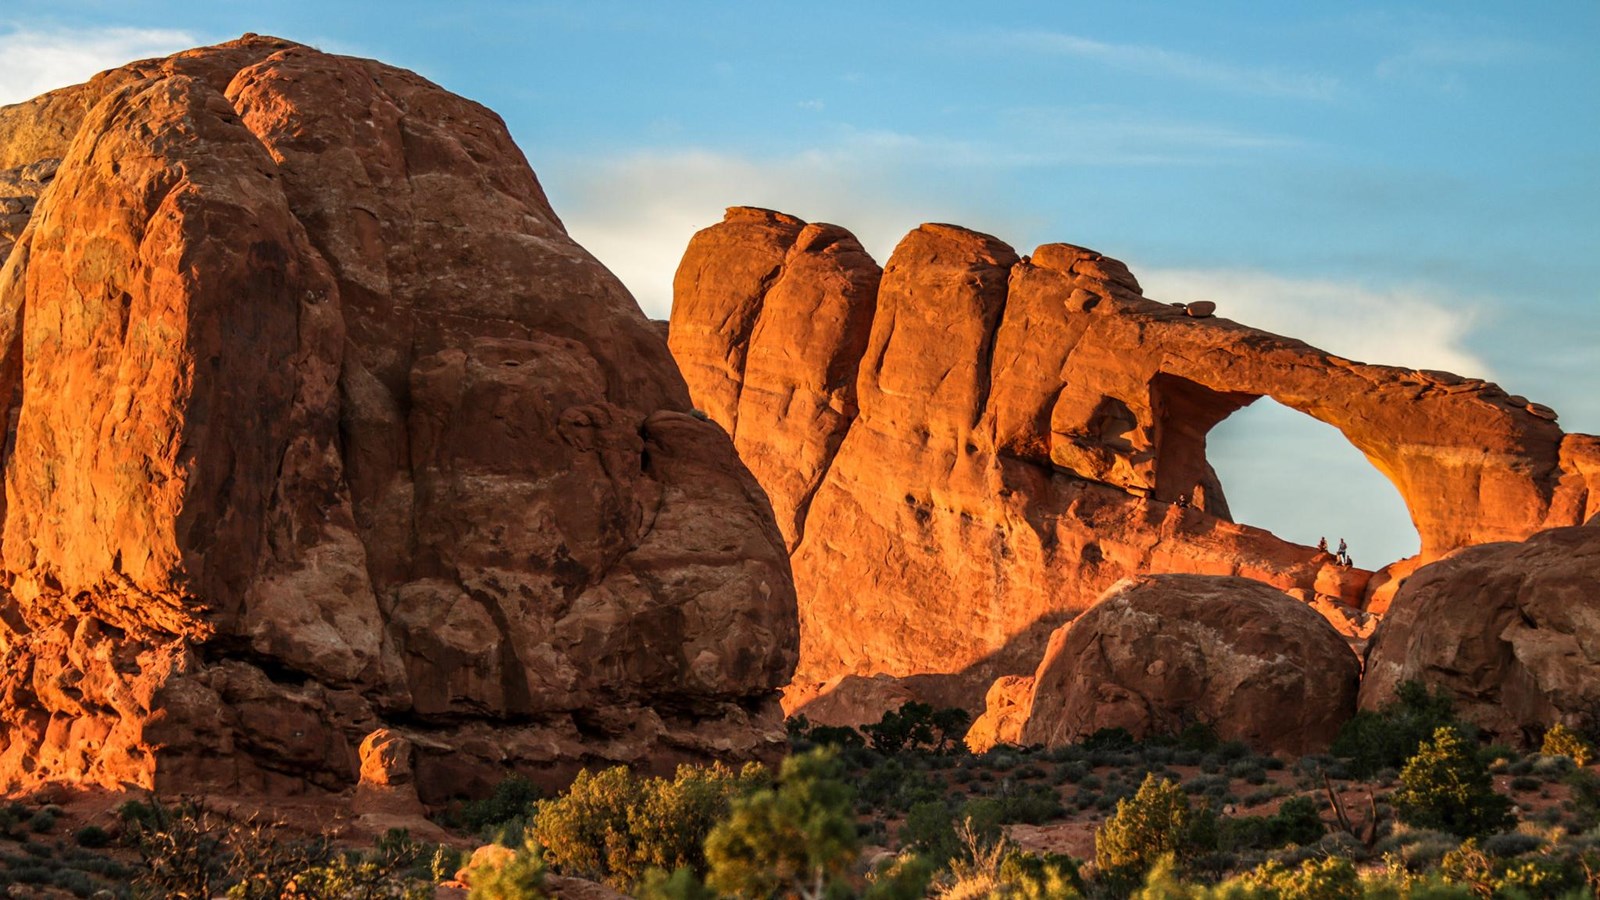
(517, 876)
(1446, 787)
(1297, 821)
(1563, 741)
(43, 821)
(92, 837)
(804, 735)
(613, 826)
(930, 829)
(1326, 878)
(1585, 786)
(918, 726)
(1371, 741)
(509, 805)
(777, 840)
(1488, 876)
(1157, 821)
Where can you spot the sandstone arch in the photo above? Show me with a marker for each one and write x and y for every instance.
(1019, 429)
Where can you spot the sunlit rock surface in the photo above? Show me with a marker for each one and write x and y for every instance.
(965, 448)
(320, 424)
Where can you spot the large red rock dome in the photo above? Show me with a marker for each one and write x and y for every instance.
(321, 424)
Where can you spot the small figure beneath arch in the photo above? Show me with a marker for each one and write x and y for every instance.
(1344, 554)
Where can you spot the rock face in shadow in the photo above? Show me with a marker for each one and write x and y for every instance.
(1511, 630)
(966, 448)
(319, 424)
(1161, 652)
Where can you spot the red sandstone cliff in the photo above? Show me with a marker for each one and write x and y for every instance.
(966, 448)
(321, 423)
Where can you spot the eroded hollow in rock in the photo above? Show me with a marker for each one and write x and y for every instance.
(1302, 479)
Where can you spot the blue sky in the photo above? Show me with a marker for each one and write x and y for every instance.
(1414, 184)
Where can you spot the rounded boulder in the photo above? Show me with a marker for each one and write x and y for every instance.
(1510, 630)
(1161, 652)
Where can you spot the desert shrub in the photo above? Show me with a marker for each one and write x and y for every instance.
(1371, 741)
(1563, 741)
(1553, 767)
(509, 805)
(1325, 878)
(1200, 736)
(79, 884)
(354, 877)
(1296, 822)
(43, 821)
(893, 785)
(907, 877)
(777, 839)
(1155, 822)
(930, 830)
(1206, 784)
(1030, 804)
(1110, 739)
(1525, 783)
(1251, 771)
(92, 837)
(1585, 801)
(680, 884)
(981, 819)
(613, 826)
(1071, 772)
(518, 875)
(1048, 876)
(182, 849)
(1488, 876)
(1512, 843)
(916, 726)
(1446, 787)
(804, 735)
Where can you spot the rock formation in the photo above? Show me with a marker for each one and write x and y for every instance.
(965, 449)
(319, 424)
(1160, 652)
(1005, 712)
(1511, 630)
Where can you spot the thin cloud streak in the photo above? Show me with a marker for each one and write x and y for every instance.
(1416, 327)
(1161, 62)
(33, 61)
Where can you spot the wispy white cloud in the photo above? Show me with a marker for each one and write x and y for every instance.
(1416, 326)
(636, 213)
(1161, 62)
(1439, 61)
(33, 61)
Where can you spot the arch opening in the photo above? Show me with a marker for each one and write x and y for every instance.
(1301, 479)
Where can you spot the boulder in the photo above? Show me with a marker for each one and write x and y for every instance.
(323, 425)
(1510, 630)
(1005, 711)
(966, 447)
(1161, 652)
